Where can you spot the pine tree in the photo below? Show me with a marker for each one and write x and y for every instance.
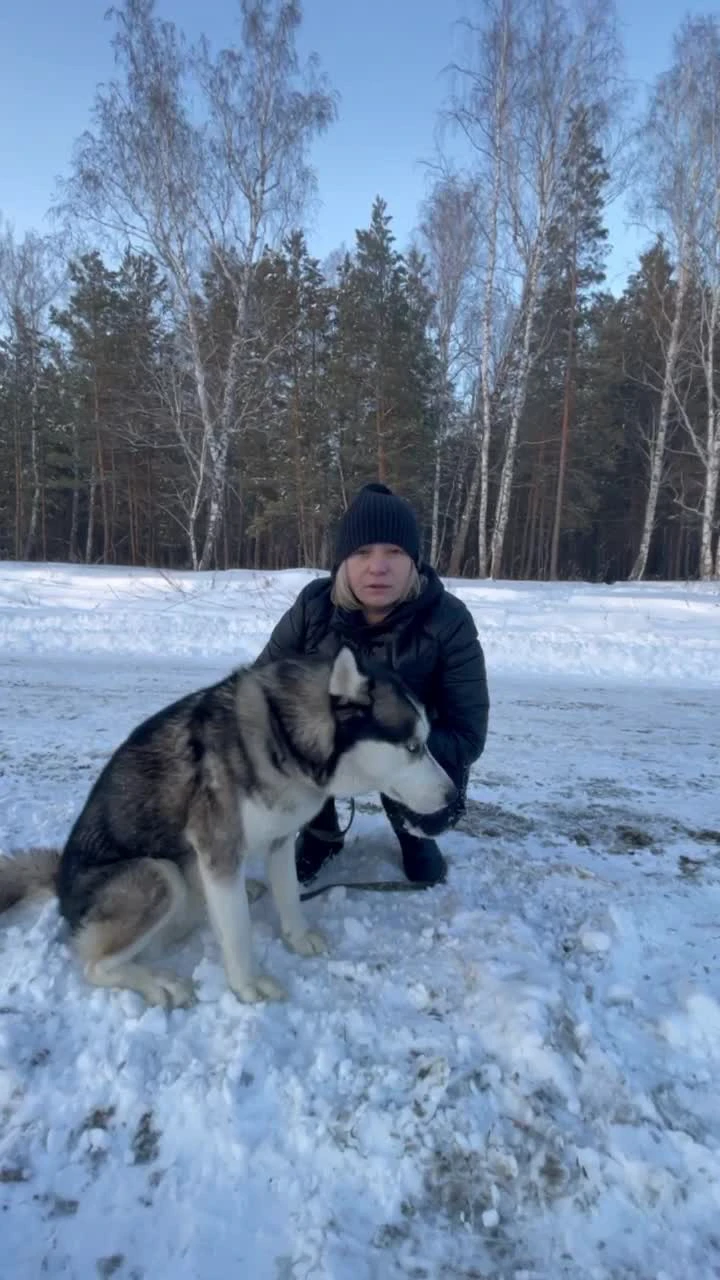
(295, 303)
(384, 366)
(575, 266)
(30, 427)
(112, 331)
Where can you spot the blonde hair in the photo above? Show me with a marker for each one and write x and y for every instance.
(343, 596)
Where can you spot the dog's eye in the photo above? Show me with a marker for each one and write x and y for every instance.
(416, 749)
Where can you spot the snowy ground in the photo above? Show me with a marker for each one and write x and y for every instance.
(512, 1076)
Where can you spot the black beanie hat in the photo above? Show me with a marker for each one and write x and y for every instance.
(376, 514)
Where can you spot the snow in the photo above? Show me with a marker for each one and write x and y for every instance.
(511, 1076)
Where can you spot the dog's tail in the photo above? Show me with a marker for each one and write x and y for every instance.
(29, 874)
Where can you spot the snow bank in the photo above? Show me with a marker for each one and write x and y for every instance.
(654, 633)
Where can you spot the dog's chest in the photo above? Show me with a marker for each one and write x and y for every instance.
(264, 825)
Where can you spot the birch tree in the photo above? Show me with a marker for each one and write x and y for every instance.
(449, 233)
(31, 274)
(708, 449)
(701, 349)
(529, 63)
(577, 252)
(570, 55)
(705, 35)
(671, 182)
(489, 85)
(201, 160)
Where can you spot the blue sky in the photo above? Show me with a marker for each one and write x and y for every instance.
(384, 57)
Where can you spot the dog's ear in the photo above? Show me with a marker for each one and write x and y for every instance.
(347, 681)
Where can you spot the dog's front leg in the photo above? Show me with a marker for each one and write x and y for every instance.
(286, 892)
(229, 912)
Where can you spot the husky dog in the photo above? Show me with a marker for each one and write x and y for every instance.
(231, 770)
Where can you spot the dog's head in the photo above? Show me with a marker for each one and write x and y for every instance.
(381, 738)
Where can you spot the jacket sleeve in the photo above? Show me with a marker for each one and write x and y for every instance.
(458, 733)
(288, 637)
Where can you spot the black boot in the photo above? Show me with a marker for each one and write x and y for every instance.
(422, 860)
(319, 841)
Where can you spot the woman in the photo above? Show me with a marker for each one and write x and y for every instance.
(386, 604)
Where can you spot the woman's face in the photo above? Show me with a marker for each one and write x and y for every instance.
(379, 575)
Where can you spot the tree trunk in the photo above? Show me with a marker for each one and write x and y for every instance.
(484, 493)
(74, 540)
(200, 461)
(19, 513)
(565, 423)
(303, 541)
(458, 550)
(453, 503)
(35, 504)
(710, 497)
(657, 447)
(499, 126)
(91, 515)
(435, 528)
(151, 525)
(34, 454)
(218, 477)
(382, 472)
(532, 517)
(218, 439)
(540, 516)
(132, 514)
(502, 509)
(112, 531)
(102, 484)
(712, 448)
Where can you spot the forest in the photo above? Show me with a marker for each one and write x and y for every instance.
(183, 385)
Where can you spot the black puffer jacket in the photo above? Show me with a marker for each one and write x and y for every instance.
(431, 642)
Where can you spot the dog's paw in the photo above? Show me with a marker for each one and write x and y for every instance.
(166, 990)
(261, 987)
(309, 943)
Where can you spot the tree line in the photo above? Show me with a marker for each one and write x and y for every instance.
(183, 384)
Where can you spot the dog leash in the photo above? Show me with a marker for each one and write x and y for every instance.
(375, 886)
(331, 837)
(257, 888)
(364, 886)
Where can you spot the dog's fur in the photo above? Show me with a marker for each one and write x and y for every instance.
(233, 769)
